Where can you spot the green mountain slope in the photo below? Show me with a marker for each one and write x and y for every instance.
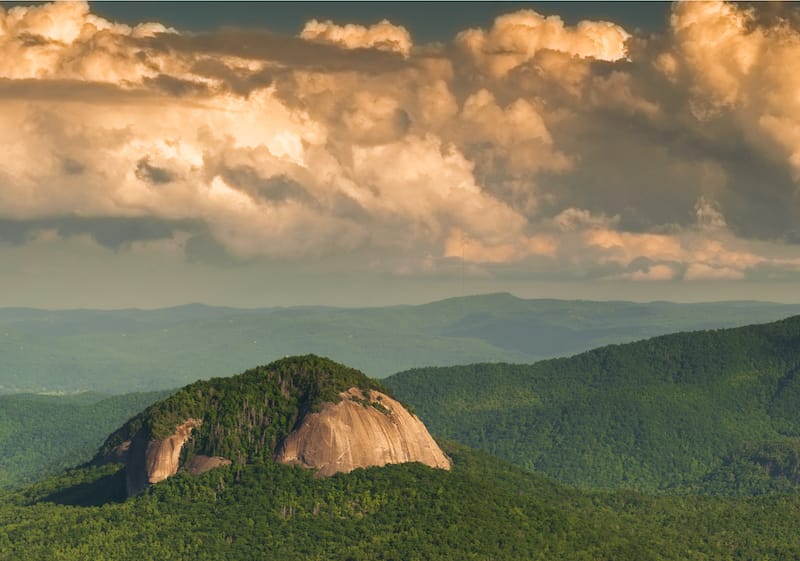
(483, 508)
(245, 417)
(133, 350)
(771, 466)
(41, 435)
(672, 412)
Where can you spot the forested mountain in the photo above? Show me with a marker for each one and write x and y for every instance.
(259, 509)
(134, 350)
(305, 410)
(708, 412)
(713, 411)
(482, 509)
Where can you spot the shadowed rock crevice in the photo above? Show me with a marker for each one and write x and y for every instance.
(149, 462)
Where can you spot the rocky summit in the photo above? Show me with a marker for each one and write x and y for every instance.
(303, 410)
(364, 429)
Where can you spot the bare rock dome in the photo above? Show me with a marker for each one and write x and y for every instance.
(364, 429)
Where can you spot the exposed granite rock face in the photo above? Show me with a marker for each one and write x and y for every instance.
(152, 461)
(201, 464)
(360, 431)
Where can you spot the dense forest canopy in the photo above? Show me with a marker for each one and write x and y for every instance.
(245, 417)
(482, 509)
(677, 412)
(727, 394)
(41, 434)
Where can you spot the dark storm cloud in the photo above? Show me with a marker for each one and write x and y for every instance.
(72, 167)
(117, 232)
(274, 189)
(276, 49)
(15, 232)
(238, 81)
(110, 232)
(176, 86)
(78, 91)
(149, 173)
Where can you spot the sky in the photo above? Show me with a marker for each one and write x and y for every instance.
(362, 154)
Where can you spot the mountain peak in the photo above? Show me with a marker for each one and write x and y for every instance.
(307, 410)
(366, 428)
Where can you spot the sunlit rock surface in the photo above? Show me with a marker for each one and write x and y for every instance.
(152, 461)
(360, 431)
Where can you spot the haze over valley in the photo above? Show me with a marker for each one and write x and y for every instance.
(120, 351)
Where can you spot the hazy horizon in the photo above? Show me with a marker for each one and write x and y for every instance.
(410, 303)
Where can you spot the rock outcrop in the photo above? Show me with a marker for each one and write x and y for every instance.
(152, 461)
(360, 431)
(201, 464)
(305, 410)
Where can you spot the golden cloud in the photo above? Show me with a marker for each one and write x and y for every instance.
(348, 138)
(383, 36)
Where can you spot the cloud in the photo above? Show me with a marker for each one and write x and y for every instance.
(708, 214)
(517, 129)
(624, 247)
(459, 245)
(742, 68)
(530, 147)
(650, 273)
(701, 271)
(251, 54)
(425, 187)
(71, 91)
(110, 232)
(149, 173)
(383, 36)
(517, 37)
(374, 119)
(63, 40)
(572, 219)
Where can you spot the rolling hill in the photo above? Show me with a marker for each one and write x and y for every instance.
(304, 410)
(709, 410)
(135, 350)
(261, 509)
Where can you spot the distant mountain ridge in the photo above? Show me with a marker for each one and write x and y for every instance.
(120, 351)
